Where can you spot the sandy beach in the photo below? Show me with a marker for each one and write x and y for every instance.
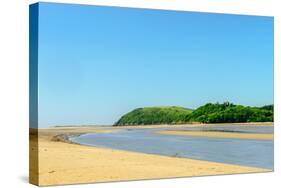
(62, 162)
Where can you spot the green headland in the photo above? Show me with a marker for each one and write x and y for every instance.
(208, 113)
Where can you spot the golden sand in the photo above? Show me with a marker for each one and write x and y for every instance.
(66, 163)
(218, 134)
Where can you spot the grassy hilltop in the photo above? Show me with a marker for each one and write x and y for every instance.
(208, 113)
(155, 115)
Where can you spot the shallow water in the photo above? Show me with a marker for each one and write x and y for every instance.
(254, 153)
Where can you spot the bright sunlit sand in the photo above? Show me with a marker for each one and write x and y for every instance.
(66, 163)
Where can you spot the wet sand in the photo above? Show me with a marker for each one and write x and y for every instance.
(218, 134)
(62, 162)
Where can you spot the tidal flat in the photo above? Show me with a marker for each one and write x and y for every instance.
(63, 160)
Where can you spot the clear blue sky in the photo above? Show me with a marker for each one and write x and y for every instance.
(97, 63)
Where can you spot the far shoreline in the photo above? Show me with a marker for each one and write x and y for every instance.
(79, 130)
(85, 129)
(161, 125)
(198, 125)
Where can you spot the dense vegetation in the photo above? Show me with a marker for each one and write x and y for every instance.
(209, 113)
(230, 113)
(155, 115)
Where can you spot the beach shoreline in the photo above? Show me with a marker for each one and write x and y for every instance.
(63, 162)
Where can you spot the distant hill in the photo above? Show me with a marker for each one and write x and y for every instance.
(231, 113)
(208, 113)
(155, 115)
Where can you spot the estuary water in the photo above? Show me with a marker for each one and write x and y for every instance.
(254, 153)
